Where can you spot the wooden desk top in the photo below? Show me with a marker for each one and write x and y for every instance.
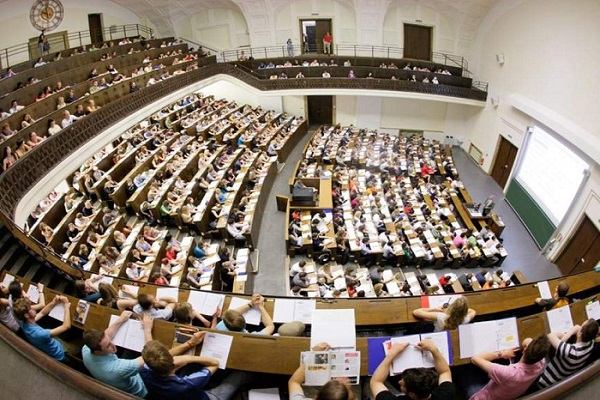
(279, 355)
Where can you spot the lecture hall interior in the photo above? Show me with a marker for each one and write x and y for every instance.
(325, 169)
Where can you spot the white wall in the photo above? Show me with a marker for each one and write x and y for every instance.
(546, 45)
(16, 28)
(287, 19)
(217, 28)
(345, 110)
(413, 114)
(295, 105)
(445, 29)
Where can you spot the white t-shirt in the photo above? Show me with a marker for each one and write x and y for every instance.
(441, 320)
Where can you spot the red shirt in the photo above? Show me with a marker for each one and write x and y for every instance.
(327, 38)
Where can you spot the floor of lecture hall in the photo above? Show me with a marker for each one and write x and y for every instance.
(523, 253)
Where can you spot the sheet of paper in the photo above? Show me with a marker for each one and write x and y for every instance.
(167, 292)
(480, 337)
(442, 341)
(283, 311)
(439, 301)
(130, 334)
(544, 289)
(8, 278)
(345, 364)
(217, 346)
(264, 394)
(335, 327)
(411, 357)
(593, 310)
(252, 316)
(559, 319)
(206, 303)
(33, 294)
(57, 312)
(130, 288)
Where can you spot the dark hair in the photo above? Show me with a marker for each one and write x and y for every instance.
(145, 300)
(589, 330)
(333, 390)
(536, 350)
(92, 339)
(562, 289)
(420, 381)
(15, 289)
(234, 320)
(158, 358)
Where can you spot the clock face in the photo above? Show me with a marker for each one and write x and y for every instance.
(46, 14)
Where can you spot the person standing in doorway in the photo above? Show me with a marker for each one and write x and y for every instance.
(290, 48)
(305, 42)
(327, 43)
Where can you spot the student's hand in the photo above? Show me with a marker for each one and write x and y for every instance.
(147, 322)
(40, 287)
(125, 315)
(217, 312)
(397, 348)
(197, 338)
(508, 353)
(427, 345)
(323, 346)
(537, 301)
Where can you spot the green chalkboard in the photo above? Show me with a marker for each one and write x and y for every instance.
(536, 221)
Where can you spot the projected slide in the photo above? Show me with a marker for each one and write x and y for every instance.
(551, 174)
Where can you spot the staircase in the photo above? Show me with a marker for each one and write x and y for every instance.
(15, 259)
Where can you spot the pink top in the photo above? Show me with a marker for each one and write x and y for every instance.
(507, 382)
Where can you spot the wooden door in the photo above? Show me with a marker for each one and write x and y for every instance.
(505, 159)
(417, 42)
(582, 253)
(323, 26)
(95, 25)
(320, 110)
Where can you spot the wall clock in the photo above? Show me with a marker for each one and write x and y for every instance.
(46, 14)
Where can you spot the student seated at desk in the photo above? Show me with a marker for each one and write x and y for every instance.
(43, 339)
(509, 381)
(416, 383)
(332, 390)
(233, 320)
(136, 272)
(559, 298)
(162, 383)
(100, 359)
(109, 297)
(458, 312)
(156, 308)
(184, 313)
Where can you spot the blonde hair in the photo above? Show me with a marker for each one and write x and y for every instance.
(456, 313)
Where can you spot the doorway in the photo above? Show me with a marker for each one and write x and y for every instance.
(95, 25)
(505, 159)
(320, 109)
(417, 42)
(582, 253)
(312, 31)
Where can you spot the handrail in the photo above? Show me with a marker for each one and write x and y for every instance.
(199, 46)
(345, 50)
(14, 54)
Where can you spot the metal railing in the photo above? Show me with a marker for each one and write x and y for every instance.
(12, 55)
(340, 50)
(197, 45)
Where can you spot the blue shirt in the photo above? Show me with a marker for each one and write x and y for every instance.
(176, 387)
(222, 327)
(41, 338)
(122, 374)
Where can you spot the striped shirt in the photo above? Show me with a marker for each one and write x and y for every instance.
(569, 358)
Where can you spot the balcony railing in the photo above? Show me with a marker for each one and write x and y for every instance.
(25, 51)
(343, 50)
